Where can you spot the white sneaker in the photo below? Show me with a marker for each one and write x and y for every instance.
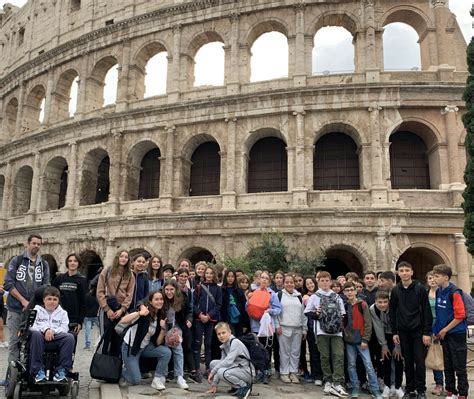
(182, 382)
(393, 391)
(318, 383)
(158, 384)
(338, 390)
(386, 392)
(451, 396)
(399, 392)
(327, 388)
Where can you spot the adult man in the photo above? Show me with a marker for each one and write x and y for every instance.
(26, 273)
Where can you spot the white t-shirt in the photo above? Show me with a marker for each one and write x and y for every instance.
(131, 332)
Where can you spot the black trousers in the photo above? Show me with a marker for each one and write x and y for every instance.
(455, 358)
(414, 353)
(314, 359)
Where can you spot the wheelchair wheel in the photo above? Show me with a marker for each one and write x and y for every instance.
(64, 389)
(11, 381)
(17, 392)
(74, 389)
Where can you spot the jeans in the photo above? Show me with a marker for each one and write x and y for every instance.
(200, 329)
(89, 322)
(331, 349)
(352, 350)
(455, 358)
(131, 371)
(414, 353)
(178, 361)
(65, 342)
(438, 377)
(13, 324)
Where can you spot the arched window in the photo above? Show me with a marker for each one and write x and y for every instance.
(268, 166)
(65, 95)
(102, 86)
(205, 170)
(54, 187)
(156, 71)
(333, 51)
(33, 115)
(336, 163)
(269, 57)
(22, 191)
(400, 38)
(150, 175)
(110, 86)
(103, 181)
(209, 65)
(409, 166)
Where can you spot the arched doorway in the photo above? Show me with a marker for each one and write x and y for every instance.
(197, 254)
(422, 259)
(53, 266)
(340, 261)
(91, 263)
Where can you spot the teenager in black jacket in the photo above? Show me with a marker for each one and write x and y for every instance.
(233, 305)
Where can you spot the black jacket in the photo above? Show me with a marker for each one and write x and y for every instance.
(73, 295)
(240, 302)
(185, 314)
(370, 296)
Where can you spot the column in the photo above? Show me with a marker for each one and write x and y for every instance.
(378, 188)
(110, 252)
(81, 108)
(229, 195)
(382, 251)
(300, 192)
(441, 15)
(116, 171)
(123, 80)
(165, 249)
(175, 75)
(299, 72)
(462, 262)
(451, 129)
(71, 176)
(21, 101)
(233, 85)
(48, 99)
(228, 245)
(166, 194)
(7, 194)
(35, 185)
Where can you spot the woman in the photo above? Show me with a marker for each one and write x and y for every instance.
(233, 305)
(145, 338)
(179, 315)
(141, 289)
(291, 331)
(114, 294)
(155, 273)
(273, 308)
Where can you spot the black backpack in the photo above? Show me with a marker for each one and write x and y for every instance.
(259, 354)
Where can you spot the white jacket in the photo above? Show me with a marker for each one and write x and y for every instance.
(57, 320)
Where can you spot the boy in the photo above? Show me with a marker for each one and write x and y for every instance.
(383, 333)
(370, 289)
(450, 326)
(327, 308)
(51, 324)
(357, 335)
(387, 281)
(411, 319)
(234, 367)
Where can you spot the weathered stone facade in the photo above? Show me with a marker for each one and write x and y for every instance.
(46, 45)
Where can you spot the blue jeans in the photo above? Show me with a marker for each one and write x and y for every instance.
(178, 361)
(131, 371)
(438, 377)
(351, 351)
(88, 325)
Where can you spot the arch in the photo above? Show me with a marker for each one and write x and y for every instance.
(209, 64)
(95, 186)
(11, 115)
(341, 127)
(91, 263)
(422, 127)
(62, 95)
(423, 257)
(54, 184)
(22, 191)
(34, 108)
(143, 171)
(269, 57)
(261, 133)
(271, 25)
(268, 166)
(333, 51)
(205, 170)
(197, 254)
(2, 191)
(400, 38)
(336, 163)
(345, 20)
(195, 141)
(354, 258)
(409, 15)
(53, 266)
(96, 82)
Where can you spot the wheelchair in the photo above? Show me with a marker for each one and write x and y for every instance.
(18, 379)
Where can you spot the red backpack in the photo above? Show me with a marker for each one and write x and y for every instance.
(258, 303)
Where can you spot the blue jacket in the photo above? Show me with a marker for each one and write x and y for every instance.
(446, 310)
(204, 304)
(141, 290)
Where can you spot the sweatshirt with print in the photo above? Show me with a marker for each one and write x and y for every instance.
(57, 320)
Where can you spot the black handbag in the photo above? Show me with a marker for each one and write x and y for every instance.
(105, 367)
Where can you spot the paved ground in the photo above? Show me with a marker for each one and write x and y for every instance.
(95, 390)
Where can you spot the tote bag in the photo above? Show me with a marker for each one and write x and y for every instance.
(434, 359)
(105, 367)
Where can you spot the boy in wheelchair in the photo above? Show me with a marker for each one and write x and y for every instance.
(51, 325)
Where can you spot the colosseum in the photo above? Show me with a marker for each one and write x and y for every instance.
(366, 165)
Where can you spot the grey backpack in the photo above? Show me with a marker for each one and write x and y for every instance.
(330, 318)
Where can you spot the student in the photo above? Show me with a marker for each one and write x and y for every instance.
(73, 288)
(370, 287)
(329, 338)
(451, 327)
(155, 273)
(255, 280)
(342, 280)
(410, 318)
(142, 287)
(145, 338)
(432, 288)
(200, 269)
(233, 305)
(234, 367)
(207, 309)
(336, 286)
(357, 335)
(299, 280)
(278, 278)
(51, 325)
(168, 271)
(386, 281)
(390, 353)
(244, 285)
(291, 331)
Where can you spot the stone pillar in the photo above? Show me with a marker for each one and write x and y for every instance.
(110, 252)
(48, 117)
(7, 194)
(299, 72)
(379, 190)
(229, 195)
(462, 262)
(166, 195)
(300, 192)
(116, 171)
(123, 78)
(71, 176)
(81, 108)
(451, 123)
(21, 103)
(290, 156)
(441, 16)
(35, 185)
(228, 245)
(232, 81)
(165, 250)
(382, 252)
(174, 78)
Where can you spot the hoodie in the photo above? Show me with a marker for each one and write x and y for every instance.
(292, 311)
(447, 310)
(56, 320)
(73, 295)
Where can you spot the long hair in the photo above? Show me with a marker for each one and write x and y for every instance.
(177, 302)
(116, 266)
(159, 314)
(305, 289)
(214, 279)
(224, 280)
(153, 273)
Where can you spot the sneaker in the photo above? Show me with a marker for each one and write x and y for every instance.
(308, 379)
(242, 392)
(327, 388)
(158, 384)
(285, 378)
(294, 378)
(386, 392)
(318, 383)
(355, 392)
(393, 391)
(376, 395)
(182, 383)
(338, 390)
(438, 390)
(399, 392)
(40, 376)
(123, 382)
(266, 378)
(196, 377)
(450, 395)
(60, 375)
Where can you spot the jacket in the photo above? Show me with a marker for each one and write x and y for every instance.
(73, 295)
(446, 310)
(381, 325)
(410, 309)
(369, 296)
(292, 311)
(360, 321)
(140, 291)
(57, 320)
(240, 302)
(205, 305)
(137, 332)
(185, 314)
(17, 277)
(313, 304)
(124, 293)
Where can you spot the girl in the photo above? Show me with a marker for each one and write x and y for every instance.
(155, 273)
(292, 330)
(273, 309)
(278, 278)
(233, 304)
(432, 287)
(336, 286)
(178, 314)
(145, 338)
(299, 281)
(244, 284)
(256, 280)
(168, 271)
(141, 281)
(114, 294)
(200, 268)
(207, 308)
